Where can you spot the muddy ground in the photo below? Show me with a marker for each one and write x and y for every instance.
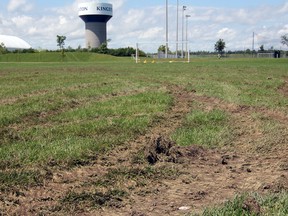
(151, 175)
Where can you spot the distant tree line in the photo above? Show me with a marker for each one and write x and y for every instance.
(128, 51)
(102, 49)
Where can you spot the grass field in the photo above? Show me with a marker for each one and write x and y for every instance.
(56, 116)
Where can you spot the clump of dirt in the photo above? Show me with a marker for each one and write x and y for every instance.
(252, 206)
(280, 184)
(158, 148)
(161, 148)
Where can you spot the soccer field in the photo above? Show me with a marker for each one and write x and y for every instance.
(83, 134)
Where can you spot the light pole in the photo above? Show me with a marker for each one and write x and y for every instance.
(177, 29)
(187, 16)
(166, 47)
(183, 10)
(253, 41)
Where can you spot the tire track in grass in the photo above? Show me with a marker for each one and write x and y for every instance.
(42, 119)
(204, 178)
(63, 181)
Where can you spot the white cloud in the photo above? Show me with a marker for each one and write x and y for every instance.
(151, 33)
(284, 8)
(226, 33)
(32, 30)
(128, 25)
(21, 21)
(22, 5)
(62, 20)
(116, 3)
(283, 30)
(15, 4)
(134, 18)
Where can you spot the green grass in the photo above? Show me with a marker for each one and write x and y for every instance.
(66, 112)
(276, 134)
(210, 129)
(79, 131)
(89, 103)
(276, 204)
(55, 57)
(9, 179)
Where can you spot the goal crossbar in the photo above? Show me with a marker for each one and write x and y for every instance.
(177, 55)
(265, 55)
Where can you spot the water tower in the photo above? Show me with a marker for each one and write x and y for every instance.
(95, 15)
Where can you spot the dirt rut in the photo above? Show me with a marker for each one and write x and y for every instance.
(151, 175)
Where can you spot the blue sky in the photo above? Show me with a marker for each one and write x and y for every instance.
(39, 21)
(145, 3)
(208, 3)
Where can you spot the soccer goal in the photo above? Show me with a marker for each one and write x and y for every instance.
(265, 55)
(156, 52)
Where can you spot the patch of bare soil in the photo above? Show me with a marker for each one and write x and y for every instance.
(151, 175)
(284, 88)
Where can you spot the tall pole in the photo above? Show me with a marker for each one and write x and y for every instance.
(137, 52)
(187, 16)
(183, 10)
(177, 29)
(253, 44)
(166, 47)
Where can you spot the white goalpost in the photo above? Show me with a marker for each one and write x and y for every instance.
(155, 52)
(265, 55)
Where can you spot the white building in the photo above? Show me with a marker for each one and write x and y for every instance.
(14, 43)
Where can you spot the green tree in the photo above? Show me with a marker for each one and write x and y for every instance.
(284, 39)
(103, 48)
(220, 46)
(162, 49)
(262, 48)
(61, 43)
(248, 51)
(3, 49)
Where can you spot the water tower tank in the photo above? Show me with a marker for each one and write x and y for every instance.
(95, 15)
